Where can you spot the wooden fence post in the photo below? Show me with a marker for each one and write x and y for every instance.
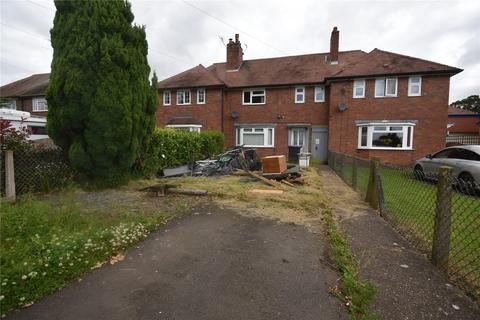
(9, 176)
(443, 218)
(354, 173)
(372, 189)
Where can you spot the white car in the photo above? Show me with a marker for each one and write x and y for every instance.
(465, 161)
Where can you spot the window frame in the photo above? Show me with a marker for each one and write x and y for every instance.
(190, 127)
(204, 96)
(322, 87)
(240, 131)
(35, 102)
(302, 93)
(385, 87)
(256, 95)
(183, 91)
(407, 135)
(355, 86)
(165, 93)
(8, 104)
(419, 94)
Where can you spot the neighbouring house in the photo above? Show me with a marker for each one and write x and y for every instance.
(24, 120)
(463, 126)
(26, 94)
(375, 104)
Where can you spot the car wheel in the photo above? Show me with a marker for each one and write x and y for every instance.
(466, 183)
(418, 172)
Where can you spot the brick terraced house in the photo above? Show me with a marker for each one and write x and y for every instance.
(378, 104)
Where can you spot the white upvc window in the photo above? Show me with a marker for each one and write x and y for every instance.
(201, 96)
(386, 87)
(39, 104)
(299, 94)
(414, 86)
(10, 104)
(256, 136)
(185, 127)
(386, 136)
(184, 97)
(167, 98)
(254, 96)
(359, 88)
(319, 94)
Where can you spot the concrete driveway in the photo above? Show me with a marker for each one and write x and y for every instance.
(209, 264)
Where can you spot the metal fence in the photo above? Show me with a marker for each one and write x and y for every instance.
(439, 214)
(37, 170)
(463, 139)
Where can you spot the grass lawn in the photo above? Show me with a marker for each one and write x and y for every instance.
(411, 208)
(48, 241)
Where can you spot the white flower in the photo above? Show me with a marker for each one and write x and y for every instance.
(1, 297)
(24, 277)
(22, 298)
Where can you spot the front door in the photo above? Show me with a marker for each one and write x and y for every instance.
(320, 144)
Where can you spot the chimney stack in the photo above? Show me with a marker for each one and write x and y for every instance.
(234, 54)
(334, 40)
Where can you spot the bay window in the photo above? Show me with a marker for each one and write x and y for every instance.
(11, 104)
(183, 97)
(254, 136)
(414, 86)
(253, 96)
(385, 135)
(386, 87)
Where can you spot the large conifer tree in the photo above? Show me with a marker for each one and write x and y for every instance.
(101, 102)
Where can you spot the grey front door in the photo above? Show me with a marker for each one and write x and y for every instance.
(320, 144)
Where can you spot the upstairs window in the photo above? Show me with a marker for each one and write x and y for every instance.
(39, 104)
(183, 97)
(166, 98)
(319, 94)
(414, 86)
(10, 104)
(254, 96)
(386, 87)
(300, 95)
(359, 88)
(201, 96)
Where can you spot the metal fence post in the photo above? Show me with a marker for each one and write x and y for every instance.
(443, 219)
(340, 167)
(354, 173)
(380, 195)
(372, 189)
(9, 176)
(334, 161)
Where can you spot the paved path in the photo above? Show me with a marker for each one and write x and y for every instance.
(206, 266)
(418, 291)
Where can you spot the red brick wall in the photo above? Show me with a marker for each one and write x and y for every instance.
(209, 114)
(280, 108)
(430, 110)
(464, 125)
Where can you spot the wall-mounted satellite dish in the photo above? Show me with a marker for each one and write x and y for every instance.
(235, 114)
(342, 107)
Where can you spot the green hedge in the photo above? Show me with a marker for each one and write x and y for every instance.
(170, 148)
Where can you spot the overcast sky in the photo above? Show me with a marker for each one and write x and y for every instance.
(182, 34)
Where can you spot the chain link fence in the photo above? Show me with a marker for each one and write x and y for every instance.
(438, 213)
(38, 170)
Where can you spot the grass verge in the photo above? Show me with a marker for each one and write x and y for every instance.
(357, 295)
(45, 244)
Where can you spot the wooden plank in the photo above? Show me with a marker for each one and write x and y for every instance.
(269, 182)
(287, 183)
(267, 191)
(191, 192)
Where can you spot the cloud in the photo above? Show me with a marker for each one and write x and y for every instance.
(184, 34)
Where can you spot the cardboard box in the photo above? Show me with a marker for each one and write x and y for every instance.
(274, 164)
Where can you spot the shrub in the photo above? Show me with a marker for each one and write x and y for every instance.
(170, 148)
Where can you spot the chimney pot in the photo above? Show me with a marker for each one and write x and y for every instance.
(237, 37)
(334, 41)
